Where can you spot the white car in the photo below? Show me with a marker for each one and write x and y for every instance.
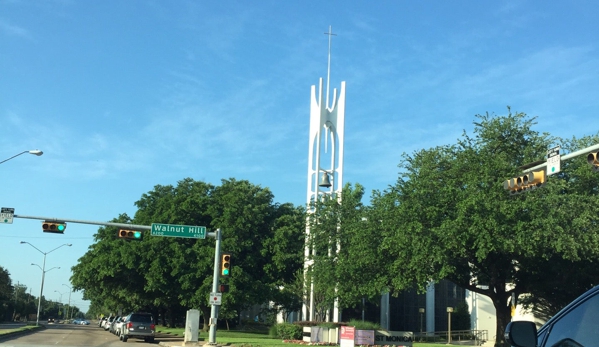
(118, 326)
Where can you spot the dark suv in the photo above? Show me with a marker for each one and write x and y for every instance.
(139, 326)
(574, 326)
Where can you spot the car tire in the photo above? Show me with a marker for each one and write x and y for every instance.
(150, 339)
(124, 339)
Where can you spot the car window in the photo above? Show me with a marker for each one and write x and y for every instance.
(142, 318)
(579, 327)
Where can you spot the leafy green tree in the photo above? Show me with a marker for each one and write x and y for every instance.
(346, 246)
(167, 275)
(6, 293)
(448, 216)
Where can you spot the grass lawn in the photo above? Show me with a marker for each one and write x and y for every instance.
(10, 331)
(253, 339)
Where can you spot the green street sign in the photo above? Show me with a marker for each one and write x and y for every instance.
(171, 230)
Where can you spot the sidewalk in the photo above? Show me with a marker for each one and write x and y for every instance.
(167, 340)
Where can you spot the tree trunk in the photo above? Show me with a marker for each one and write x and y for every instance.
(206, 314)
(502, 314)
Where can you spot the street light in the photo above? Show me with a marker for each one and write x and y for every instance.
(33, 151)
(43, 267)
(70, 291)
(56, 291)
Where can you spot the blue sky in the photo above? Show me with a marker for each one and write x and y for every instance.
(125, 95)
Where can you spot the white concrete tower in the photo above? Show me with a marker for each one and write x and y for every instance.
(325, 160)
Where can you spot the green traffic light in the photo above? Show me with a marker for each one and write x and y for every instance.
(137, 234)
(60, 227)
(225, 271)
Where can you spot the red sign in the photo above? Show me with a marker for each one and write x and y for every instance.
(347, 333)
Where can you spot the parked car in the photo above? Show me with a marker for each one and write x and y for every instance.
(138, 325)
(574, 326)
(107, 322)
(112, 326)
(118, 326)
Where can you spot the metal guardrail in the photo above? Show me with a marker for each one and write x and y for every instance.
(463, 337)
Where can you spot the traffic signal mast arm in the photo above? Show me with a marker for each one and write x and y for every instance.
(584, 151)
(534, 175)
(108, 224)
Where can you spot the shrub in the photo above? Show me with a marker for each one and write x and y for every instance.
(364, 325)
(288, 331)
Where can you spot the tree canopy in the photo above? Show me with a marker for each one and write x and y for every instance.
(449, 217)
(170, 275)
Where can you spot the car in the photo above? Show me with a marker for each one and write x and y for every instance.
(574, 326)
(50, 320)
(112, 326)
(106, 324)
(118, 326)
(84, 322)
(139, 325)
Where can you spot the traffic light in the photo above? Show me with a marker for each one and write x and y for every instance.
(593, 159)
(223, 288)
(54, 227)
(130, 234)
(528, 181)
(225, 264)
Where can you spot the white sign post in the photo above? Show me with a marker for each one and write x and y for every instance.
(6, 215)
(553, 160)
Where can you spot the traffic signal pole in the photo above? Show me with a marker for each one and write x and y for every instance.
(217, 254)
(215, 279)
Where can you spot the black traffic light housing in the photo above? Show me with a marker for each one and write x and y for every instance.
(130, 234)
(223, 288)
(225, 264)
(54, 227)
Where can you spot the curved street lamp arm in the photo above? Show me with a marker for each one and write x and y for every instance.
(66, 244)
(33, 151)
(33, 247)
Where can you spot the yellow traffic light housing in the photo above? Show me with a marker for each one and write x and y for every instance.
(528, 181)
(130, 234)
(54, 227)
(593, 159)
(225, 264)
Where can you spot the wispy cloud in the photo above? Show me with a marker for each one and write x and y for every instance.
(13, 30)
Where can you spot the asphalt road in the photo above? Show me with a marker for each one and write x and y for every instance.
(78, 335)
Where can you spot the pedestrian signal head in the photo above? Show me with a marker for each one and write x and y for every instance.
(54, 227)
(225, 264)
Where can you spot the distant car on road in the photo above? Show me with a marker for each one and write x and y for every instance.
(84, 322)
(50, 320)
